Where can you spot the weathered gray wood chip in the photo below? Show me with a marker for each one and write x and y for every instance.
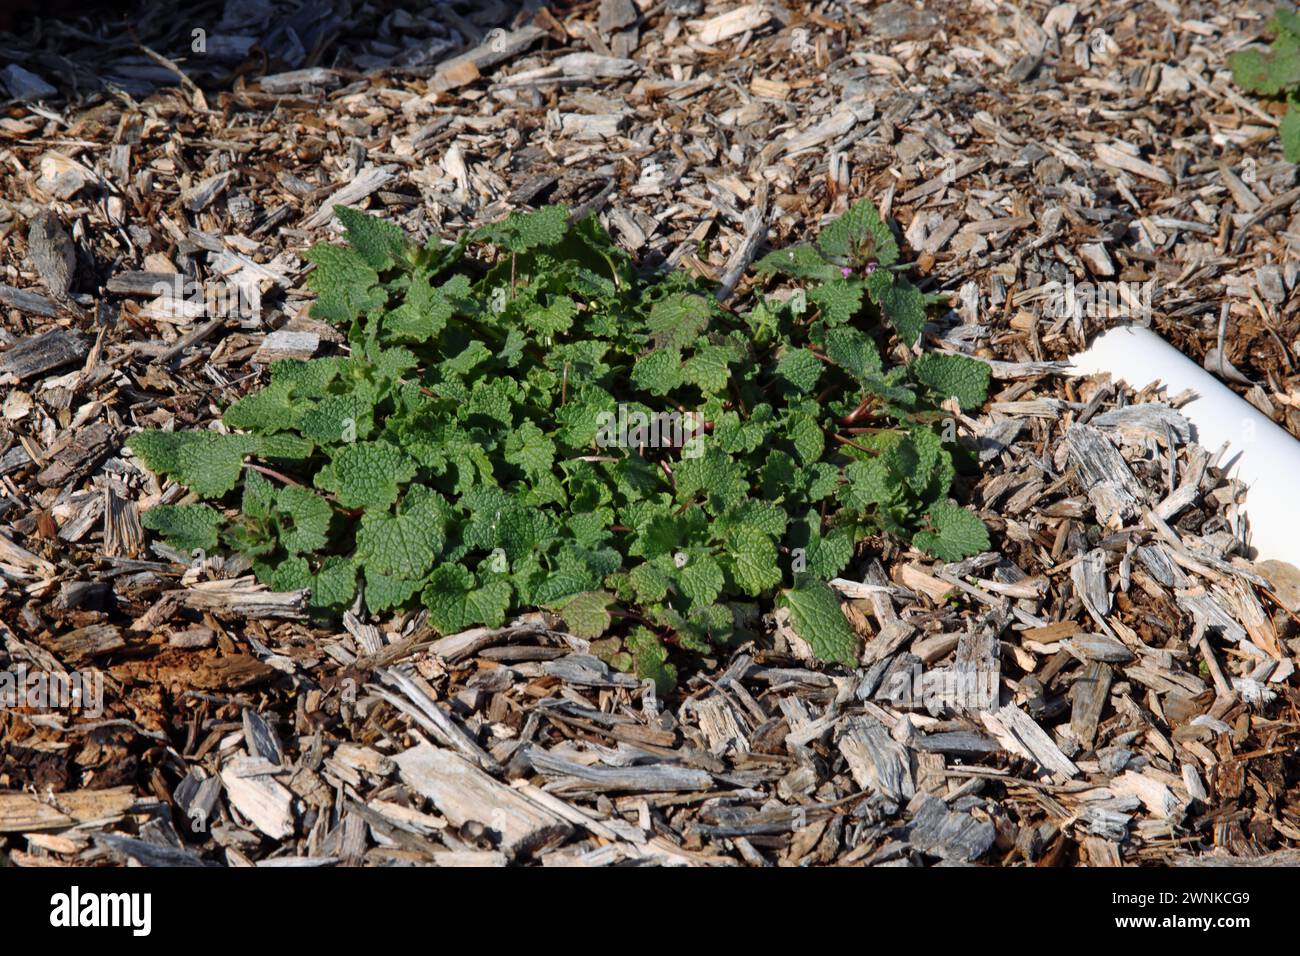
(641, 778)
(42, 352)
(1154, 418)
(1089, 695)
(1103, 473)
(877, 761)
(462, 793)
(146, 853)
(587, 671)
(1098, 647)
(1021, 734)
(957, 742)
(950, 834)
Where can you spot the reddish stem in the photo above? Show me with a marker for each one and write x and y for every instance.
(271, 473)
(848, 441)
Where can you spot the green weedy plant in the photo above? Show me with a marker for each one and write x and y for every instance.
(460, 455)
(1276, 72)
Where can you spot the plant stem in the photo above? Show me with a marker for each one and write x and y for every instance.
(271, 473)
(850, 442)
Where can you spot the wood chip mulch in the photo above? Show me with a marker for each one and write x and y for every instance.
(1113, 684)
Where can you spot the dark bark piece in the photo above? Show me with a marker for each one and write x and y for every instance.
(87, 642)
(148, 854)
(261, 739)
(526, 192)
(25, 301)
(78, 455)
(84, 595)
(43, 352)
(958, 742)
(14, 459)
(52, 252)
(950, 834)
(143, 283)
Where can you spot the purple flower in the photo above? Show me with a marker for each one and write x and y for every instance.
(846, 271)
(872, 264)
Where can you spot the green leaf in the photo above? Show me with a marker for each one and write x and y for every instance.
(708, 368)
(678, 320)
(367, 474)
(800, 368)
(854, 352)
(186, 527)
(659, 372)
(522, 231)
(1289, 131)
(869, 483)
(306, 378)
(799, 262)
(456, 601)
(809, 440)
(701, 579)
(650, 583)
(963, 378)
(208, 463)
(650, 659)
(405, 542)
(530, 449)
(1268, 72)
(587, 614)
(259, 496)
(292, 574)
(816, 617)
(552, 319)
(335, 586)
(344, 283)
(282, 445)
(423, 315)
(384, 592)
(754, 562)
(957, 533)
(904, 306)
(1286, 21)
(928, 469)
(378, 242)
(714, 474)
(267, 410)
(839, 300)
(824, 557)
(338, 418)
(304, 519)
(858, 236)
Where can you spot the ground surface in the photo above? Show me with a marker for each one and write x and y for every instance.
(1145, 675)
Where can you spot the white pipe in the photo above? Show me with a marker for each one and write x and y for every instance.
(1263, 455)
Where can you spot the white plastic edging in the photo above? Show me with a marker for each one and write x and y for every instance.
(1263, 455)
